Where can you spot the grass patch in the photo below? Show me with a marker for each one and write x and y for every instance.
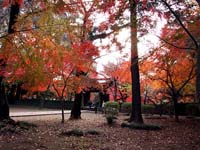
(137, 126)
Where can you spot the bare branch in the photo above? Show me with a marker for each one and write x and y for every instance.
(182, 25)
(178, 47)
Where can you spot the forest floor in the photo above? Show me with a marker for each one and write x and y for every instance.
(184, 135)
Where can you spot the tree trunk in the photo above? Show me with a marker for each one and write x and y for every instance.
(62, 108)
(115, 89)
(11, 95)
(198, 76)
(136, 114)
(14, 12)
(4, 107)
(18, 92)
(76, 108)
(175, 101)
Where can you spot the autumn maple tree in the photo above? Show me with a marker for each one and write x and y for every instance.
(50, 40)
(173, 68)
(120, 80)
(52, 61)
(186, 23)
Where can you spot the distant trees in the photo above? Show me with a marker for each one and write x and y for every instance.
(120, 80)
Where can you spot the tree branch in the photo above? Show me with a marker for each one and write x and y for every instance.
(178, 47)
(182, 25)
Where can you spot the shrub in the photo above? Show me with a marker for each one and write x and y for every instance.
(112, 104)
(126, 107)
(111, 115)
(111, 110)
(110, 119)
(193, 110)
(148, 109)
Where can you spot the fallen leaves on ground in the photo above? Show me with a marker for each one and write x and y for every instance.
(183, 135)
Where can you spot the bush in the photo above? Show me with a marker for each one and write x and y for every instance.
(111, 115)
(193, 109)
(111, 110)
(126, 107)
(110, 119)
(148, 109)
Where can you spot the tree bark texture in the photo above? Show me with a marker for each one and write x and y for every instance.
(14, 12)
(4, 107)
(76, 108)
(136, 115)
(198, 76)
(175, 101)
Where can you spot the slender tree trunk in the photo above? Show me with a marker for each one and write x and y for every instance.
(136, 114)
(4, 107)
(63, 113)
(11, 95)
(76, 108)
(18, 92)
(14, 12)
(175, 101)
(198, 76)
(115, 89)
(176, 109)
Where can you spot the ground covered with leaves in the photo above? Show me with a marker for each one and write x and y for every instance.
(93, 133)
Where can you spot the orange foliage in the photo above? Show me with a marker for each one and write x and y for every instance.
(168, 69)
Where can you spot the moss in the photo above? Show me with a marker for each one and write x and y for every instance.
(93, 132)
(25, 125)
(137, 126)
(10, 126)
(73, 132)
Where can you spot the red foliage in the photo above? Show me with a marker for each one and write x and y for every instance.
(6, 3)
